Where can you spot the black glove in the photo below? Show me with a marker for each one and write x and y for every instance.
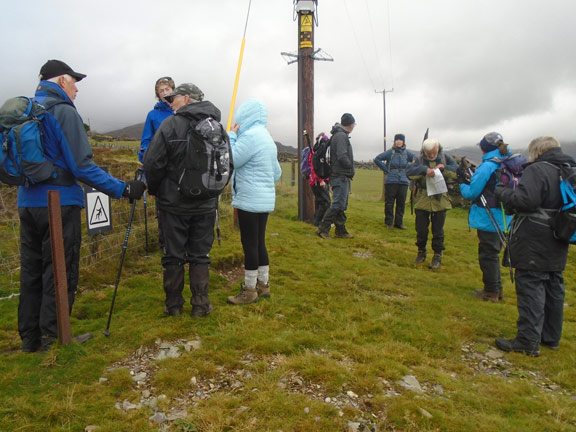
(462, 175)
(134, 189)
(498, 192)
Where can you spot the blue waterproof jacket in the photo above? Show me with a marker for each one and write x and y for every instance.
(255, 157)
(478, 217)
(394, 162)
(153, 121)
(66, 143)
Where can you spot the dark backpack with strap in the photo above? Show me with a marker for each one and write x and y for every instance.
(508, 175)
(207, 165)
(563, 223)
(321, 158)
(23, 161)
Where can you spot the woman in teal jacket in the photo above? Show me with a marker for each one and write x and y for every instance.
(256, 169)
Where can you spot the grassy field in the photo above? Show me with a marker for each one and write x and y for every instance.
(349, 325)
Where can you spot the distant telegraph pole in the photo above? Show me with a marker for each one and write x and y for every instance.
(382, 198)
(305, 13)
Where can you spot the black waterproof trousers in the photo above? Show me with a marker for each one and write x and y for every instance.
(321, 202)
(187, 239)
(489, 247)
(540, 306)
(423, 220)
(395, 194)
(37, 305)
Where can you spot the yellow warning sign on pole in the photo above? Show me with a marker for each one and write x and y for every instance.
(306, 31)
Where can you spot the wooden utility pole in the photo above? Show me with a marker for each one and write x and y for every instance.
(383, 196)
(305, 13)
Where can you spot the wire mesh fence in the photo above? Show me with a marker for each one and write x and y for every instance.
(99, 249)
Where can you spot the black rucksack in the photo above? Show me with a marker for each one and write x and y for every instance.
(321, 158)
(207, 165)
(563, 223)
(22, 157)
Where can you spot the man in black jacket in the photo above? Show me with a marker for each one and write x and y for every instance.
(342, 164)
(538, 257)
(190, 221)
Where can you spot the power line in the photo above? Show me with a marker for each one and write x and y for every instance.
(358, 44)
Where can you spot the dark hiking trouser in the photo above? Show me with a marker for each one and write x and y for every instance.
(253, 238)
(187, 239)
(321, 202)
(395, 194)
(423, 219)
(540, 306)
(489, 246)
(336, 213)
(37, 304)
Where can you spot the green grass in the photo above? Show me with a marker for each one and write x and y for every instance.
(345, 316)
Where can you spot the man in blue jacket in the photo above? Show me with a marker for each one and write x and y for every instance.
(482, 184)
(66, 143)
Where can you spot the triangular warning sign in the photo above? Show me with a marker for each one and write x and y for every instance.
(306, 20)
(99, 215)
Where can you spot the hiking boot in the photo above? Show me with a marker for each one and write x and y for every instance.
(263, 289)
(402, 227)
(30, 345)
(436, 262)
(420, 258)
(488, 296)
(47, 342)
(550, 345)
(246, 296)
(172, 311)
(201, 311)
(323, 234)
(344, 234)
(514, 345)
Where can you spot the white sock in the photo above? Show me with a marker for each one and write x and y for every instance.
(250, 277)
(264, 274)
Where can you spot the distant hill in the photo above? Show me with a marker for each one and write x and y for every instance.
(134, 132)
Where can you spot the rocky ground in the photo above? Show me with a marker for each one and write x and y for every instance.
(142, 366)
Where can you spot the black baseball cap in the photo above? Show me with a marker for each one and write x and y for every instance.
(54, 68)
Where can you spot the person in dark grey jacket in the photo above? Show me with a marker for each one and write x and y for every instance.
(394, 162)
(342, 164)
(538, 257)
(187, 224)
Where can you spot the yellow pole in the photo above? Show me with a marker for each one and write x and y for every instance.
(236, 85)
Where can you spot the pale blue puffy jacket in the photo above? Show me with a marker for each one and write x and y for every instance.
(255, 157)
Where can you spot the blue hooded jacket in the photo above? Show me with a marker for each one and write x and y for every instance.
(255, 157)
(478, 217)
(154, 119)
(66, 143)
(394, 162)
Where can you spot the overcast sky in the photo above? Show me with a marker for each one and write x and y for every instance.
(461, 68)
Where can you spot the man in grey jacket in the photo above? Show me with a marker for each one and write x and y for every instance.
(190, 220)
(342, 164)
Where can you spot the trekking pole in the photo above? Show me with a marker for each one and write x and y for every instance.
(145, 224)
(218, 235)
(124, 247)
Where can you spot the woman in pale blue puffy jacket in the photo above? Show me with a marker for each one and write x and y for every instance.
(256, 169)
